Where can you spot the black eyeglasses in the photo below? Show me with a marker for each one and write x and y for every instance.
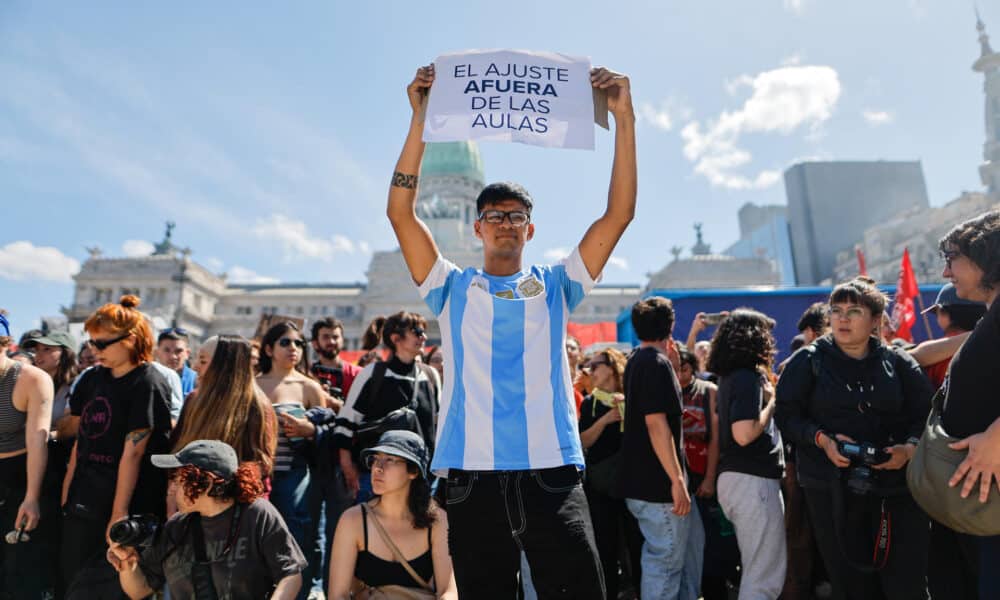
(950, 255)
(102, 344)
(517, 218)
(418, 331)
(286, 342)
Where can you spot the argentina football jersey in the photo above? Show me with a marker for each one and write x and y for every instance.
(507, 402)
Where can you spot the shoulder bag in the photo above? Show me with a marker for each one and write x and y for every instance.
(927, 477)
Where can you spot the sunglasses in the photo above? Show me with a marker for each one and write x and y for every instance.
(419, 331)
(597, 363)
(103, 344)
(174, 330)
(286, 342)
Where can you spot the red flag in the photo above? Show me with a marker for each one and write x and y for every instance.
(904, 312)
(862, 269)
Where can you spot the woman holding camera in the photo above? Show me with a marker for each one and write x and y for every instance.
(399, 538)
(855, 408)
(751, 454)
(225, 540)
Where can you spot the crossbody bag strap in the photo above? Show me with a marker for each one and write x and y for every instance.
(399, 555)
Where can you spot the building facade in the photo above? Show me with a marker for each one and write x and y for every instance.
(764, 234)
(831, 204)
(177, 291)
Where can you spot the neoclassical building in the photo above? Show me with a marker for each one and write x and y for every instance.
(176, 290)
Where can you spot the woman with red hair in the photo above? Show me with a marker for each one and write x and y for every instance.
(248, 551)
(123, 409)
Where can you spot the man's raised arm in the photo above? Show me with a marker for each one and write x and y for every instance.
(603, 235)
(414, 238)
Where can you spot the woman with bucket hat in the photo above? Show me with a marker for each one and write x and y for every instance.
(396, 544)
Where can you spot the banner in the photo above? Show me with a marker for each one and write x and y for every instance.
(904, 312)
(538, 98)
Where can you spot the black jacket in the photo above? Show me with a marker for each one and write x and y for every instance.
(882, 399)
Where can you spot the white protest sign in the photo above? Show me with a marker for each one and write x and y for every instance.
(538, 98)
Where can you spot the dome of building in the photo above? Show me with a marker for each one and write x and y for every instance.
(453, 158)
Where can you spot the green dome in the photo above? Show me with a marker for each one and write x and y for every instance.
(453, 158)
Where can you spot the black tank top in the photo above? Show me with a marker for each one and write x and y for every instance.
(376, 572)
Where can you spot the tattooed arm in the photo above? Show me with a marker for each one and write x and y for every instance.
(128, 473)
(414, 238)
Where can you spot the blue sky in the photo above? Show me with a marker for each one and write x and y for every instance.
(268, 132)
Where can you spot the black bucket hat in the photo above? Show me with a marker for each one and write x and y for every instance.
(404, 444)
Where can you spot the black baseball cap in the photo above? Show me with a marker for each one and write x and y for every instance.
(947, 296)
(213, 456)
(404, 444)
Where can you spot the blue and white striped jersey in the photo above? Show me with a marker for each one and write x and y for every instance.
(507, 402)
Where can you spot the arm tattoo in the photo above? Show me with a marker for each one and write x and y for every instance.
(138, 435)
(404, 181)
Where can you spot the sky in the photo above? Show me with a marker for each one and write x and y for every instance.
(269, 131)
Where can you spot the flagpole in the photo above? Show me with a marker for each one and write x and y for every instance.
(927, 322)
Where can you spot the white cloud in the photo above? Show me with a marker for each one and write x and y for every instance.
(782, 100)
(665, 115)
(560, 252)
(136, 248)
(238, 274)
(795, 6)
(297, 243)
(22, 260)
(877, 117)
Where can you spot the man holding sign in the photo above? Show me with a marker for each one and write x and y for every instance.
(507, 433)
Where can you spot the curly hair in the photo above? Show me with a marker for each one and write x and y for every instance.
(979, 240)
(245, 487)
(744, 340)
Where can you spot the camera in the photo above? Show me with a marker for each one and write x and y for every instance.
(861, 479)
(136, 531)
(332, 379)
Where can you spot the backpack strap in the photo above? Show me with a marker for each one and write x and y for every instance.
(378, 376)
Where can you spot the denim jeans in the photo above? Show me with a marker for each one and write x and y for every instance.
(290, 494)
(672, 552)
(329, 500)
(495, 515)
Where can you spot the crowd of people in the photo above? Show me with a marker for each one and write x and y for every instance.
(506, 462)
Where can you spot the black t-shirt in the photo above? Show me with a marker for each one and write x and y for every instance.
(741, 398)
(247, 561)
(109, 409)
(610, 440)
(650, 388)
(973, 399)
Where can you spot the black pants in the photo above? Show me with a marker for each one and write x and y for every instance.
(26, 568)
(494, 515)
(953, 569)
(613, 524)
(904, 575)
